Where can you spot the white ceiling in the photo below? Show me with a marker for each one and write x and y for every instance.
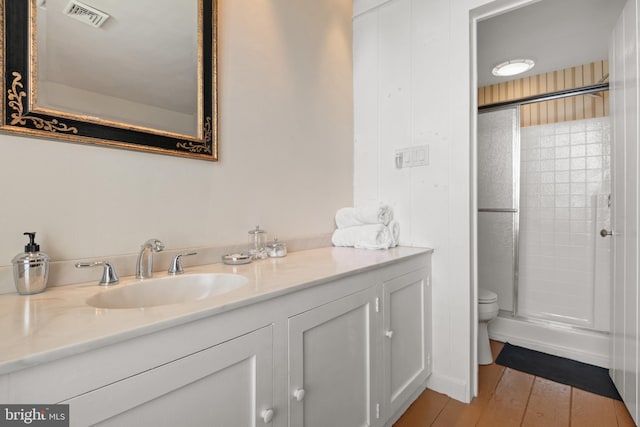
(154, 66)
(556, 34)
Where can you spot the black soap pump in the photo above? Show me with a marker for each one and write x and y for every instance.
(31, 268)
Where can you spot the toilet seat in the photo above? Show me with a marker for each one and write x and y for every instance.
(486, 296)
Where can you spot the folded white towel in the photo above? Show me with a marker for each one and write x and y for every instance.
(350, 217)
(368, 236)
(394, 228)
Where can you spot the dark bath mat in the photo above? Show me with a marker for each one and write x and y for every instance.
(565, 371)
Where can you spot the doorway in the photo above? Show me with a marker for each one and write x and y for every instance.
(540, 35)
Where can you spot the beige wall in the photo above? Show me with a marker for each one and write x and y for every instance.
(286, 151)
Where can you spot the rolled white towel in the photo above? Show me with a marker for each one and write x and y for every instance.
(394, 228)
(368, 236)
(350, 217)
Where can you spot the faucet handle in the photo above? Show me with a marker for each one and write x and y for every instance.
(109, 275)
(176, 264)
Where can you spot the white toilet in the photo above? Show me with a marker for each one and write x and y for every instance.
(487, 310)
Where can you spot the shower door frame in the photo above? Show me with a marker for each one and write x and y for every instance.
(518, 103)
(515, 196)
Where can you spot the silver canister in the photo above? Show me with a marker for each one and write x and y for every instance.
(30, 272)
(276, 249)
(257, 243)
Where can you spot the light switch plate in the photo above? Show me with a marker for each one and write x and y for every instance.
(412, 156)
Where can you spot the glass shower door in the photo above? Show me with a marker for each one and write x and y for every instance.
(498, 201)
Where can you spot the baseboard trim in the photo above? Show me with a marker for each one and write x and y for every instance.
(452, 387)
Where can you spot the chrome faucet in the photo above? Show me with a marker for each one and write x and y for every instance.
(144, 266)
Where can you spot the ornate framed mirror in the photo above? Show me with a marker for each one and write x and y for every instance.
(136, 75)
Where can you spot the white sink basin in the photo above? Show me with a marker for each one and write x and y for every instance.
(167, 290)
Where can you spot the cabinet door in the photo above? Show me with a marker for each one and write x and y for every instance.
(230, 384)
(330, 364)
(407, 336)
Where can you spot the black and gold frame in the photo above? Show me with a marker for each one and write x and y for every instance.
(21, 114)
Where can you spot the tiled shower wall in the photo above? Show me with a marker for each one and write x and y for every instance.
(565, 182)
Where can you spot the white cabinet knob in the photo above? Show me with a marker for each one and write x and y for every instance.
(299, 394)
(267, 415)
(389, 334)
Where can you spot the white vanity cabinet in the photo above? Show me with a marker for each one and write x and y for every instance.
(347, 348)
(330, 363)
(230, 384)
(407, 337)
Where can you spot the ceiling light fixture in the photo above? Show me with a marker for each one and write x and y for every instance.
(513, 67)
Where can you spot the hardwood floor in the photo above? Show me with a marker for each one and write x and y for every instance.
(511, 398)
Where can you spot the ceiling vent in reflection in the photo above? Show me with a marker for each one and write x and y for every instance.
(86, 14)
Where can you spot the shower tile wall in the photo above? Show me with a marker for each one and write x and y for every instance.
(565, 177)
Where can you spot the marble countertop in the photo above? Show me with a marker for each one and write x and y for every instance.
(58, 322)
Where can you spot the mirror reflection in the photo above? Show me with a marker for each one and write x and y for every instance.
(128, 64)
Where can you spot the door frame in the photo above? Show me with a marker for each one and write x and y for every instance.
(476, 15)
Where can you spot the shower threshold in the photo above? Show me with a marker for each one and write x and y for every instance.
(547, 322)
(561, 339)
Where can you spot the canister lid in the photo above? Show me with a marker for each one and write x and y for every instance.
(256, 230)
(276, 244)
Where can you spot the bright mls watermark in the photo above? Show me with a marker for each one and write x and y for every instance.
(34, 415)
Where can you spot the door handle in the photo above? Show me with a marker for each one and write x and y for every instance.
(604, 232)
(267, 415)
(299, 394)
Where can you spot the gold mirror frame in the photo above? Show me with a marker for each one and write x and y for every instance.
(19, 113)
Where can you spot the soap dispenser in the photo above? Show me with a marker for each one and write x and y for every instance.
(31, 268)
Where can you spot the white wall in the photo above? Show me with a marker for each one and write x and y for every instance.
(403, 97)
(413, 85)
(286, 155)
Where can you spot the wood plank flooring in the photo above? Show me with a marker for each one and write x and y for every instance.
(511, 398)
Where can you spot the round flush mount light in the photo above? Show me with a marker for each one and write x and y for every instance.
(513, 67)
